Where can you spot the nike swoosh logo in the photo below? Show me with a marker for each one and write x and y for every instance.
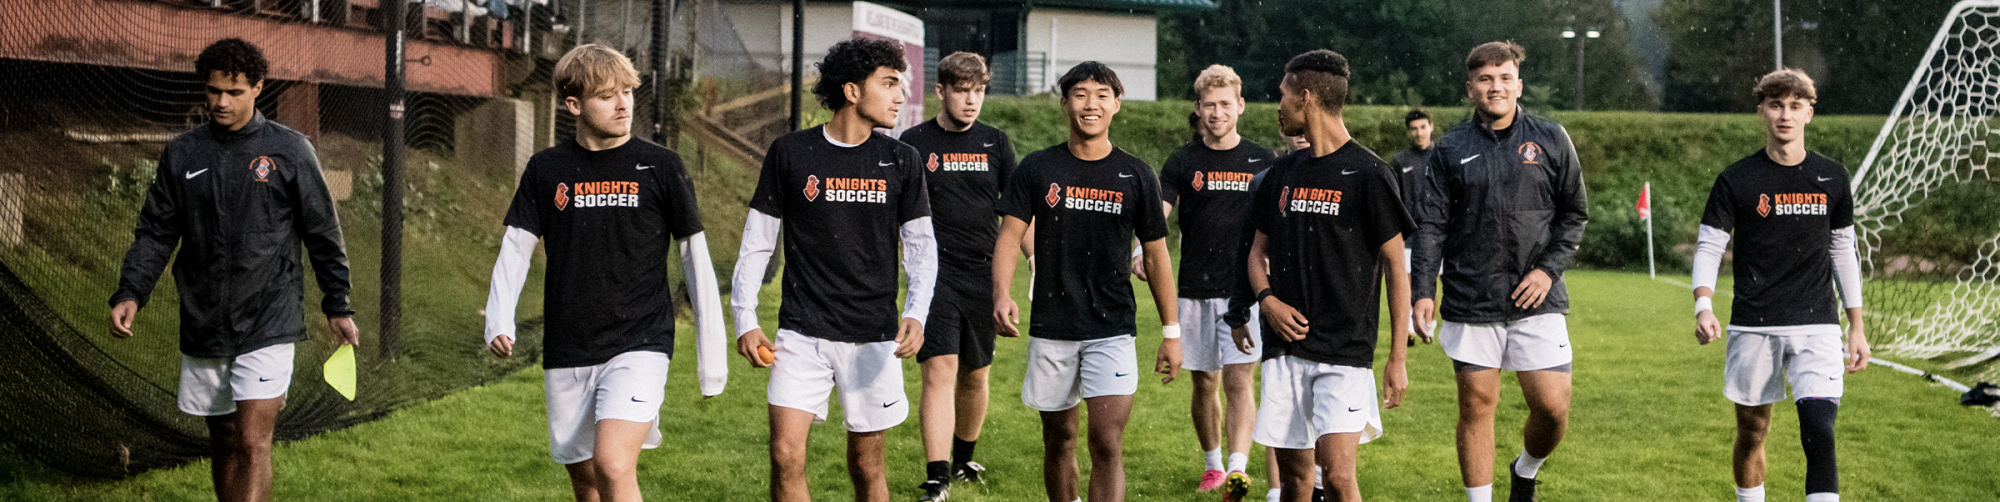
(260, 379)
(1468, 159)
(196, 173)
(1119, 375)
(1407, 169)
(1832, 378)
(885, 164)
(987, 145)
(1824, 179)
(635, 399)
(891, 403)
(1562, 346)
(1253, 161)
(1123, 175)
(1345, 172)
(1352, 409)
(642, 167)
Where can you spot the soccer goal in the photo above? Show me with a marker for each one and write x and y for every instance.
(1927, 204)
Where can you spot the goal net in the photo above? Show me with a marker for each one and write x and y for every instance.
(1927, 205)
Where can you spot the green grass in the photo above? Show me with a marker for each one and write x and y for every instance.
(1649, 423)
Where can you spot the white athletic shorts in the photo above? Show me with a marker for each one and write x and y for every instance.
(212, 386)
(629, 387)
(1062, 373)
(1304, 400)
(868, 374)
(1205, 341)
(1535, 343)
(1814, 364)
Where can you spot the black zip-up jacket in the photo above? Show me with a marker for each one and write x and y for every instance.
(238, 204)
(1494, 206)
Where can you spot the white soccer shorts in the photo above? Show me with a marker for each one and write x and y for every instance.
(629, 387)
(1304, 400)
(868, 374)
(1815, 365)
(1206, 344)
(211, 386)
(1062, 373)
(1535, 343)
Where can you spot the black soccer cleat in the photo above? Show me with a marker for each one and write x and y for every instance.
(1522, 489)
(934, 491)
(970, 472)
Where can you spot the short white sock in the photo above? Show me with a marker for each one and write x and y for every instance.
(1751, 494)
(1479, 494)
(1527, 465)
(1319, 478)
(1823, 497)
(1273, 495)
(1213, 459)
(1238, 462)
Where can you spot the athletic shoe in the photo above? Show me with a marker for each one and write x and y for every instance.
(1523, 489)
(1236, 487)
(934, 491)
(1319, 494)
(1210, 480)
(970, 472)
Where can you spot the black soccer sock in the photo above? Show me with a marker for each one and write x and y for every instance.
(938, 470)
(1816, 417)
(961, 450)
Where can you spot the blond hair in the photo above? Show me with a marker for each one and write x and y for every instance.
(592, 68)
(1786, 83)
(1217, 76)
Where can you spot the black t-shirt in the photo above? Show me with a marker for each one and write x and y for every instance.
(1783, 219)
(1212, 189)
(607, 219)
(965, 172)
(1085, 214)
(843, 209)
(1324, 221)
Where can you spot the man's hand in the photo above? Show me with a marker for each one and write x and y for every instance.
(1395, 382)
(1706, 328)
(1169, 361)
(1244, 343)
(747, 345)
(502, 346)
(1288, 321)
(121, 318)
(1857, 348)
(909, 338)
(1139, 268)
(1533, 289)
(1422, 312)
(1006, 318)
(344, 332)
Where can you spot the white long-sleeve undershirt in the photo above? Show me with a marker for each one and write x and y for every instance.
(1846, 267)
(1713, 241)
(510, 272)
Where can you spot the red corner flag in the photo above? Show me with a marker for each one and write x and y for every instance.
(1646, 202)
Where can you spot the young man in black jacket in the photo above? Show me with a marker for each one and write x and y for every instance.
(1503, 208)
(237, 196)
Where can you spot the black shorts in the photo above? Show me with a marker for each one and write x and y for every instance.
(961, 324)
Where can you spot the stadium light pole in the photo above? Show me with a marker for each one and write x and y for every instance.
(1588, 34)
(798, 62)
(392, 181)
(1778, 34)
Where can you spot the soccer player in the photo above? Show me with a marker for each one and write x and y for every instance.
(238, 197)
(1329, 228)
(608, 207)
(1412, 162)
(1793, 219)
(1088, 200)
(844, 196)
(1210, 181)
(1501, 211)
(966, 166)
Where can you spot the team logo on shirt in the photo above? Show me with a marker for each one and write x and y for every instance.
(1223, 180)
(850, 189)
(263, 167)
(1530, 153)
(1791, 204)
(1309, 200)
(1090, 199)
(958, 162)
(598, 194)
(1055, 194)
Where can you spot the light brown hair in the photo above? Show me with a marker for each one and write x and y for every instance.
(1786, 83)
(963, 68)
(1217, 76)
(1495, 54)
(592, 68)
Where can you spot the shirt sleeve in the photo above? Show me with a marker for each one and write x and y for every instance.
(753, 256)
(711, 344)
(1718, 212)
(1841, 214)
(1571, 210)
(1148, 223)
(503, 289)
(1171, 178)
(767, 198)
(1019, 198)
(1386, 216)
(916, 199)
(683, 212)
(1432, 218)
(1003, 162)
(318, 225)
(154, 238)
(525, 212)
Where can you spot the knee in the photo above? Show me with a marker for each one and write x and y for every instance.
(1816, 418)
(787, 455)
(1205, 382)
(1550, 409)
(611, 470)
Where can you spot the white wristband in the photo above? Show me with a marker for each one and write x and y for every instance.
(1703, 303)
(1171, 332)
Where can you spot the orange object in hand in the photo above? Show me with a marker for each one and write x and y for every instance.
(764, 354)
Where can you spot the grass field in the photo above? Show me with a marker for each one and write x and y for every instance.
(1649, 423)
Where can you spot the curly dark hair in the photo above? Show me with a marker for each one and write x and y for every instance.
(233, 56)
(1323, 72)
(850, 62)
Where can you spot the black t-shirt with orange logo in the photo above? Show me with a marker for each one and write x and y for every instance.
(843, 209)
(606, 219)
(1212, 189)
(1086, 213)
(1783, 218)
(1324, 221)
(965, 172)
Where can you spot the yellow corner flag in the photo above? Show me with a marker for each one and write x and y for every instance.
(340, 371)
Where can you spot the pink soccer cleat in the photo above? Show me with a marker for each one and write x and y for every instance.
(1210, 480)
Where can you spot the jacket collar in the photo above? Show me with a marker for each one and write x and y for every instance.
(223, 134)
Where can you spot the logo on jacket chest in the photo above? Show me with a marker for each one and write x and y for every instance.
(1531, 153)
(263, 167)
